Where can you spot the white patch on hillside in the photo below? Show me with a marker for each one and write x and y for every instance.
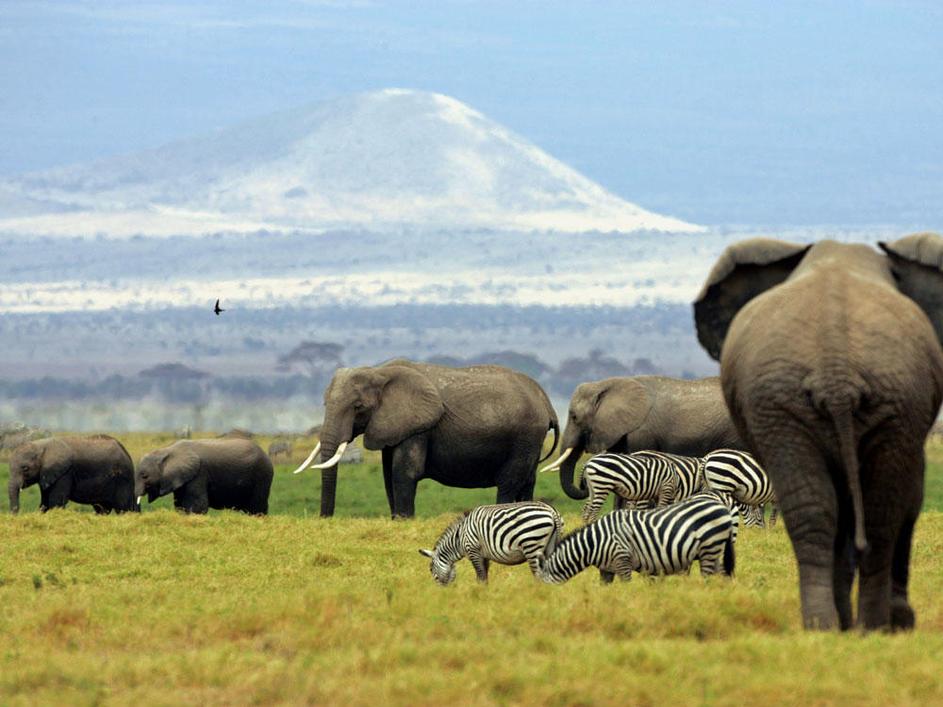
(391, 159)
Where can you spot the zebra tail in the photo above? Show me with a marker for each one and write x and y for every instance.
(842, 417)
(730, 558)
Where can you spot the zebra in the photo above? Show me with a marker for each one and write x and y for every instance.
(640, 476)
(688, 469)
(665, 540)
(508, 533)
(737, 474)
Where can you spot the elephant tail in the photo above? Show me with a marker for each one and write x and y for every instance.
(841, 414)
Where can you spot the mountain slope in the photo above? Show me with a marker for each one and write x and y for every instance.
(389, 159)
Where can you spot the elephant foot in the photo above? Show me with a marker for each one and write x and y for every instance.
(902, 615)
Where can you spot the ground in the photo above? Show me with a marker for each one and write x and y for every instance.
(227, 609)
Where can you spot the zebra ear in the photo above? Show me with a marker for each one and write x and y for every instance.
(426, 553)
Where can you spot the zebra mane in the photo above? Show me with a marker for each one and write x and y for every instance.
(451, 529)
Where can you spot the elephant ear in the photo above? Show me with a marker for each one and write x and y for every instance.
(409, 404)
(55, 463)
(179, 467)
(621, 408)
(917, 263)
(744, 270)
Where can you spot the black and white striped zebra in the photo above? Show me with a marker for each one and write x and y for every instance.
(688, 469)
(508, 533)
(640, 476)
(661, 541)
(739, 475)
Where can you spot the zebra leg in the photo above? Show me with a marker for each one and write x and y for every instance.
(480, 564)
(597, 497)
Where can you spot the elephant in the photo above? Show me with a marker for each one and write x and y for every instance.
(472, 427)
(686, 417)
(208, 473)
(831, 366)
(96, 470)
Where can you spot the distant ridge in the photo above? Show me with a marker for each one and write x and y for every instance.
(391, 159)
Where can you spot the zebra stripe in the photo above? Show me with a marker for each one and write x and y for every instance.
(690, 478)
(738, 474)
(662, 541)
(639, 476)
(508, 533)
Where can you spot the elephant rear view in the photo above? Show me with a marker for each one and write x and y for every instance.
(832, 369)
(96, 470)
(468, 427)
(212, 473)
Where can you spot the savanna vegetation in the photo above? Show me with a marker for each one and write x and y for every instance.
(226, 609)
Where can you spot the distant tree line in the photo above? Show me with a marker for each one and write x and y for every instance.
(305, 370)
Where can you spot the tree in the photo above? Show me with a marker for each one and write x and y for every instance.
(313, 357)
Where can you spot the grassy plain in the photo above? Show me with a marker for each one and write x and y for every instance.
(225, 609)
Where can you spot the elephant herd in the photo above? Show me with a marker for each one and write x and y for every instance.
(97, 470)
(831, 375)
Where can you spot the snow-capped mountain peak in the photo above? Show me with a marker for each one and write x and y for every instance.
(388, 159)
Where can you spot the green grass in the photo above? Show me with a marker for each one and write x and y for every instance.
(163, 608)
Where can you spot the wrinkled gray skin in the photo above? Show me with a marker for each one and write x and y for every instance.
(686, 417)
(832, 369)
(210, 473)
(96, 470)
(468, 427)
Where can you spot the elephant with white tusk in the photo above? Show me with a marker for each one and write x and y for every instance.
(468, 427)
(832, 369)
(686, 417)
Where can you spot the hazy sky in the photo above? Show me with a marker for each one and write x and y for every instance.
(716, 112)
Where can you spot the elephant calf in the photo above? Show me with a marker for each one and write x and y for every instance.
(204, 474)
(96, 470)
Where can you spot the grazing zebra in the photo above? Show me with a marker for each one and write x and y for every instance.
(640, 476)
(752, 515)
(661, 541)
(728, 471)
(690, 480)
(508, 533)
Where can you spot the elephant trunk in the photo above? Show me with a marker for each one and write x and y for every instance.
(334, 436)
(14, 486)
(572, 439)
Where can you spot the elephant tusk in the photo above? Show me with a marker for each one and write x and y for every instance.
(307, 461)
(139, 499)
(562, 458)
(333, 460)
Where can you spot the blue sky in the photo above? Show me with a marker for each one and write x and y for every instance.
(716, 112)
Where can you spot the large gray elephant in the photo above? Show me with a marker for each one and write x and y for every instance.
(686, 417)
(96, 470)
(208, 473)
(832, 369)
(468, 427)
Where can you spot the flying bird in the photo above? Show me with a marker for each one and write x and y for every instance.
(217, 310)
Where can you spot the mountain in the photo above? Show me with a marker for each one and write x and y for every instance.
(390, 159)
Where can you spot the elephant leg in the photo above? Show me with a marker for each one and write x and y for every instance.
(844, 573)
(191, 498)
(409, 463)
(902, 615)
(892, 480)
(387, 457)
(809, 506)
(57, 495)
(517, 476)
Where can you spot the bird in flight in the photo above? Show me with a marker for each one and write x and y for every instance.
(217, 309)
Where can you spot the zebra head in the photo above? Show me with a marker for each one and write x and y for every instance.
(442, 570)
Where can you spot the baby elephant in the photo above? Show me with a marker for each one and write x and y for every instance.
(96, 470)
(211, 473)
(508, 533)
